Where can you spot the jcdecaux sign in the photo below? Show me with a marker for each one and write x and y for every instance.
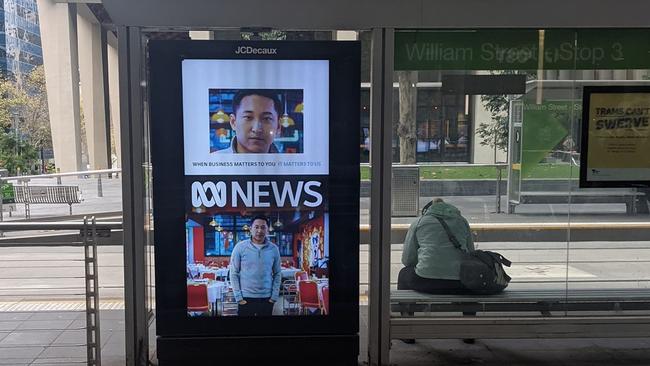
(522, 49)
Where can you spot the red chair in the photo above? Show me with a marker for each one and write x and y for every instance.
(325, 291)
(197, 298)
(301, 276)
(209, 275)
(308, 295)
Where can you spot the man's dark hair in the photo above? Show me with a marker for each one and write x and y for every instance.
(261, 217)
(266, 93)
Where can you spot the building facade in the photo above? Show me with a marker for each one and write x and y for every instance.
(20, 39)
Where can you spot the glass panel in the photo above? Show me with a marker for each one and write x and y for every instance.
(582, 248)
(478, 127)
(599, 261)
(147, 199)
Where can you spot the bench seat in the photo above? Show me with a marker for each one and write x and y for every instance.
(523, 300)
(524, 313)
(30, 195)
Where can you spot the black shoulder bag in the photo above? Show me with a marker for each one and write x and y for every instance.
(481, 271)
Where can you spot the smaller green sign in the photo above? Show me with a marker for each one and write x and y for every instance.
(545, 126)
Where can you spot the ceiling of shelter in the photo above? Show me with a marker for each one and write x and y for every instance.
(365, 14)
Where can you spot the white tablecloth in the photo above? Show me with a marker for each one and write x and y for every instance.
(289, 273)
(222, 272)
(219, 272)
(193, 269)
(215, 290)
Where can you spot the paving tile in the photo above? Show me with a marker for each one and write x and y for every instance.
(9, 325)
(14, 315)
(111, 314)
(114, 349)
(77, 324)
(115, 338)
(60, 362)
(105, 336)
(113, 326)
(58, 315)
(71, 337)
(20, 352)
(113, 360)
(16, 361)
(44, 324)
(29, 337)
(63, 352)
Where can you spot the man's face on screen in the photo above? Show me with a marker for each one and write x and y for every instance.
(255, 123)
(259, 230)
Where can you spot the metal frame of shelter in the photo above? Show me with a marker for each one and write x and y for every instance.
(382, 17)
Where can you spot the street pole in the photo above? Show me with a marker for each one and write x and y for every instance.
(15, 123)
(42, 161)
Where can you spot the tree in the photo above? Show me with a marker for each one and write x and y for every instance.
(406, 128)
(495, 132)
(36, 121)
(16, 155)
(23, 107)
(12, 99)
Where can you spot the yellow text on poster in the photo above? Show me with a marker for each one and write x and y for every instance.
(619, 130)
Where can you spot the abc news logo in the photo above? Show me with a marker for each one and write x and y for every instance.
(257, 194)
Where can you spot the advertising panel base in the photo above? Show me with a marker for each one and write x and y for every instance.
(288, 350)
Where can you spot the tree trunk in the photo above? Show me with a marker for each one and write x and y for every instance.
(406, 128)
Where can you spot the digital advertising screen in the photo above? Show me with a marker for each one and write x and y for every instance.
(256, 169)
(256, 187)
(615, 137)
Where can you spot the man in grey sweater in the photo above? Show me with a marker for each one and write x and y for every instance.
(255, 271)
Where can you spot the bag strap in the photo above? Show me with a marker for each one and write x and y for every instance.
(499, 258)
(451, 236)
(426, 207)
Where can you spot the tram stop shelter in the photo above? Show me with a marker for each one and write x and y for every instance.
(579, 271)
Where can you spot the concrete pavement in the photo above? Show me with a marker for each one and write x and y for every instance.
(32, 277)
(54, 338)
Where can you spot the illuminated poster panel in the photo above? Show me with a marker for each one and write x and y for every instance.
(256, 169)
(615, 137)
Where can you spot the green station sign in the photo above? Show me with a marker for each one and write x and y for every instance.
(584, 49)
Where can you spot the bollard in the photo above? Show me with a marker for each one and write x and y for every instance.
(2, 213)
(100, 193)
(498, 203)
(2, 198)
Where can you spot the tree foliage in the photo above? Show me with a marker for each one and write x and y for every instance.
(16, 155)
(494, 133)
(24, 122)
(27, 101)
(12, 99)
(36, 122)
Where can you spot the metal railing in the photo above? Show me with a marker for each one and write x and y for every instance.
(35, 280)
